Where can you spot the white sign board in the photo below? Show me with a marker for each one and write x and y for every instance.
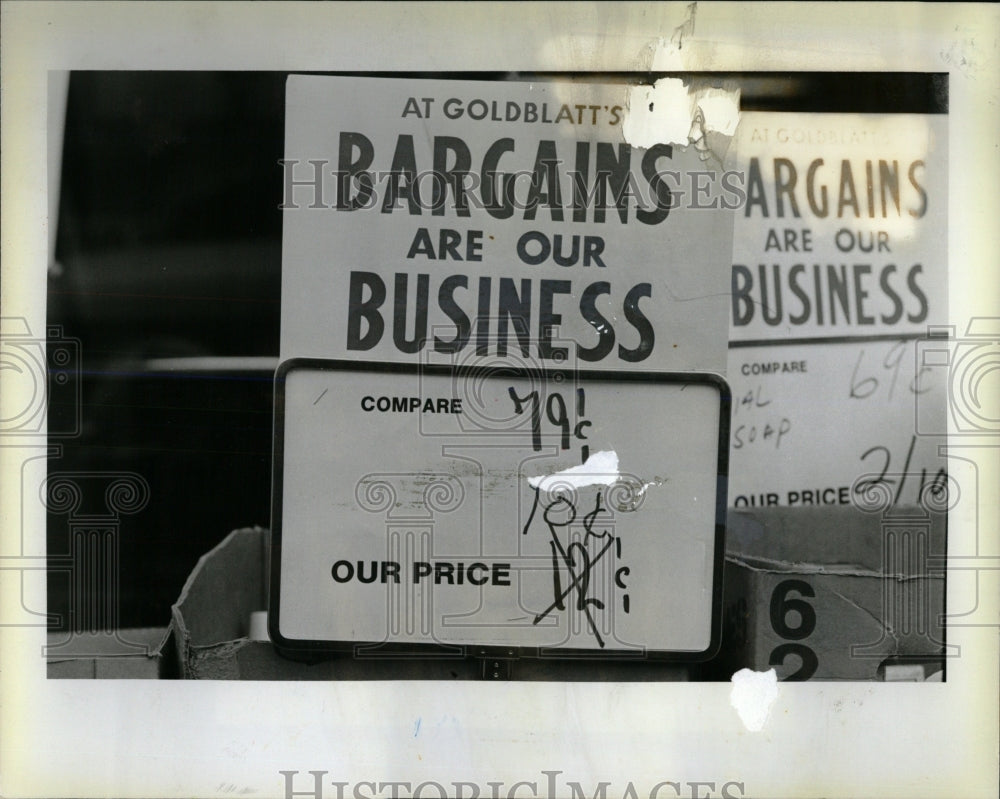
(493, 507)
(839, 271)
(462, 220)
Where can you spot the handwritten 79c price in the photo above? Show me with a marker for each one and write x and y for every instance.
(556, 413)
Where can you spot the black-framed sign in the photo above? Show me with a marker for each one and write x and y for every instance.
(458, 509)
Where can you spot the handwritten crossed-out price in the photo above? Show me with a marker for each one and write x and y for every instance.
(560, 513)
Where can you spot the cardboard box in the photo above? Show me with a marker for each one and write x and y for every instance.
(817, 593)
(212, 623)
(834, 593)
(145, 653)
(212, 619)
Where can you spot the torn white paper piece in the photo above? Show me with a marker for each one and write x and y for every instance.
(658, 114)
(600, 469)
(752, 696)
(683, 116)
(668, 112)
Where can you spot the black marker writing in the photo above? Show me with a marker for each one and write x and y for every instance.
(559, 514)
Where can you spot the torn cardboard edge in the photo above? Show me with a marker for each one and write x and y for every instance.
(213, 621)
(833, 569)
(838, 540)
(207, 642)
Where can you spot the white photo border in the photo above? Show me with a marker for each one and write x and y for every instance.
(145, 738)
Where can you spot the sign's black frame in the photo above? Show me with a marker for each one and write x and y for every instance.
(318, 649)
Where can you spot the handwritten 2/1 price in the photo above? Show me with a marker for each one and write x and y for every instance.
(929, 491)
